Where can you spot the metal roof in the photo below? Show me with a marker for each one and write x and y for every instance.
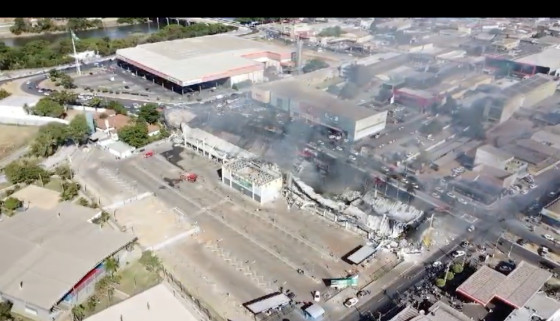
(271, 302)
(193, 59)
(526, 86)
(319, 99)
(514, 289)
(46, 252)
(496, 152)
(361, 254)
(157, 303)
(547, 58)
(315, 310)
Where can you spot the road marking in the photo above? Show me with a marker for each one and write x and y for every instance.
(235, 229)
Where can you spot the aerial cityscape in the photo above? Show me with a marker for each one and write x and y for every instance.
(279, 169)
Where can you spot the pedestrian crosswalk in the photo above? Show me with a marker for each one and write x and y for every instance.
(117, 181)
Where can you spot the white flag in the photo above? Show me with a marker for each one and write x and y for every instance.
(392, 100)
(74, 36)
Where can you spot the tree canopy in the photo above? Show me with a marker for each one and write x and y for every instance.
(335, 31)
(53, 135)
(78, 129)
(64, 97)
(4, 93)
(24, 172)
(11, 204)
(135, 134)
(48, 107)
(149, 113)
(314, 64)
(22, 25)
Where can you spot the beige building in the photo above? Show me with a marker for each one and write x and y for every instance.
(259, 181)
(491, 156)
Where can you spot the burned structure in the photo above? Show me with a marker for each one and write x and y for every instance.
(260, 181)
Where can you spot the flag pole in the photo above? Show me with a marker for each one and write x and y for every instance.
(75, 54)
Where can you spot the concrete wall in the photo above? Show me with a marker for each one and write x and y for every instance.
(255, 77)
(30, 311)
(260, 95)
(29, 120)
(510, 107)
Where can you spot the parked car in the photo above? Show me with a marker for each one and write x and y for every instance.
(457, 254)
(316, 296)
(548, 237)
(351, 302)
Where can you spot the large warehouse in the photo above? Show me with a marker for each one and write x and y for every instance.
(186, 65)
(319, 107)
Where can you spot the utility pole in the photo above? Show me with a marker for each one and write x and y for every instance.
(74, 39)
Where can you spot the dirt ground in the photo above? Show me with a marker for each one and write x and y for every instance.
(13, 137)
(141, 216)
(35, 196)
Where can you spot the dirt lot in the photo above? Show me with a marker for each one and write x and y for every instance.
(143, 215)
(14, 137)
(244, 251)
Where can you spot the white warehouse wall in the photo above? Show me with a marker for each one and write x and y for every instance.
(255, 77)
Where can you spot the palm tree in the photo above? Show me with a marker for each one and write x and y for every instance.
(78, 312)
(111, 265)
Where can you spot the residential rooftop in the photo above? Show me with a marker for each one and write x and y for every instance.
(46, 252)
(526, 86)
(549, 57)
(515, 289)
(496, 152)
(258, 174)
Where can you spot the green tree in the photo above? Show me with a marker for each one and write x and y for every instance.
(95, 102)
(457, 268)
(48, 139)
(66, 81)
(149, 113)
(24, 172)
(111, 265)
(6, 311)
(64, 171)
(450, 276)
(78, 129)
(314, 64)
(440, 283)
(91, 303)
(102, 219)
(54, 74)
(150, 261)
(11, 204)
(48, 107)
(78, 312)
(134, 134)
(117, 107)
(335, 31)
(83, 202)
(19, 26)
(349, 91)
(69, 190)
(4, 93)
(64, 97)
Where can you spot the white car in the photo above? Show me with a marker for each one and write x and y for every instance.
(532, 186)
(462, 201)
(351, 302)
(316, 296)
(548, 237)
(439, 189)
(457, 254)
(451, 195)
(437, 264)
(435, 195)
(524, 192)
(352, 158)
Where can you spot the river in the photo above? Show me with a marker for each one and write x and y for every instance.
(112, 32)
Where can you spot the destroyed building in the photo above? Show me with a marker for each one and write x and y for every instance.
(260, 181)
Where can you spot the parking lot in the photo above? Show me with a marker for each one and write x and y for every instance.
(249, 251)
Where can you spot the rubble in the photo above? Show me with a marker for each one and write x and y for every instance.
(383, 218)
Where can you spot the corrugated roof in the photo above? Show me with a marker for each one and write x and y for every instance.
(299, 92)
(157, 303)
(192, 59)
(547, 58)
(496, 152)
(361, 254)
(514, 289)
(48, 254)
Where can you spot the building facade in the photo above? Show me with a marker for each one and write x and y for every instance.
(258, 181)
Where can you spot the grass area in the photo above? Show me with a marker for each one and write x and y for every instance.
(18, 317)
(13, 137)
(135, 279)
(54, 184)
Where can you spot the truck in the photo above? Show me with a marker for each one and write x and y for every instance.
(189, 177)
